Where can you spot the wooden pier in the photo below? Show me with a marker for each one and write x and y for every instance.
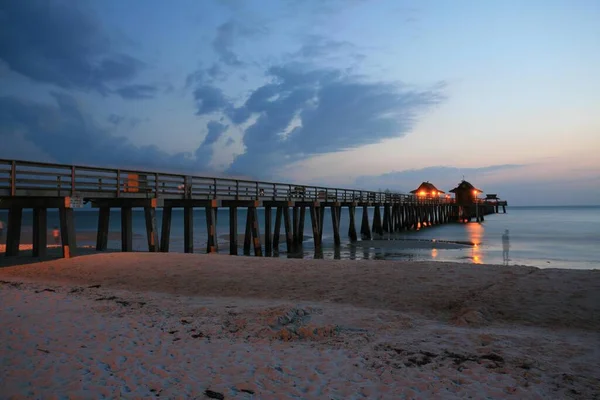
(43, 186)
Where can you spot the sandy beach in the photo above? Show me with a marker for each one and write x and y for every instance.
(143, 325)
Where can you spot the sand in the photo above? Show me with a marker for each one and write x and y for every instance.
(143, 325)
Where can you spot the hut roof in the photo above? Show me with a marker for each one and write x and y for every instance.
(464, 185)
(427, 187)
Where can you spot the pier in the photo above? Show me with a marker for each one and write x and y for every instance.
(43, 186)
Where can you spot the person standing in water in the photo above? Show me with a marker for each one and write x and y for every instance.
(56, 235)
(505, 246)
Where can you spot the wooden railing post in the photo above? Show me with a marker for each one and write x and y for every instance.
(118, 182)
(156, 185)
(72, 181)
(257, 191)
(13, 178)
(215, 188)
(237, 189)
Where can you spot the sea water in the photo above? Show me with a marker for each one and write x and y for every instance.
(559, 237)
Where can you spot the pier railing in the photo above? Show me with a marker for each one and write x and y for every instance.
(26, 178)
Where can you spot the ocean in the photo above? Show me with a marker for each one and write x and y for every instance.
(546, 237)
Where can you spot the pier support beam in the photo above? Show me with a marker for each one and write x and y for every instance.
(126, 229)
(248, 233)
(335, 221)
(314, 222)
(377, 225)
(301, 225)
(255, 231)
(233, 235)
(165, 232)
(365, 230)
(188, 229)
(13, 235)
(151, 231)
(277, 230)
(268, 234)
(352, 228)
(40, 232)
(67, 232)
(288, 228)
(211, 230)
(103, 226)
(295, 225)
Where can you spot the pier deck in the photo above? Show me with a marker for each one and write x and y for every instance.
(40, 186)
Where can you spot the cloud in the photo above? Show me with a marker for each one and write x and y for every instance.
(306, 111)
(121, 120)
(204, 151)
(137, 91)
(225, 38)
(66, 134)
(115, 119)
(318, 46)
(443, 177)
(209, 99)
(60, 43)
(223, 42)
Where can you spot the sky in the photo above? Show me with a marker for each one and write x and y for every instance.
(361, 94)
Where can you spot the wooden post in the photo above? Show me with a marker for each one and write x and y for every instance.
(211, 230)
(268, 237)
(277, 231)
(365, 230)
(336, 225)
(301, 224)
(248, 233)
(288, 228)
(314, 222)
(295, 225)
(377, 226)
(352, 228)
(13, 234)
(126, 229)
(188, 229)
(151, 231)
(40, 232)
(102, 234)
(233, 236)
(255, 231)
(165, 232)
(321, 221)
(386, 225)
(67, 232)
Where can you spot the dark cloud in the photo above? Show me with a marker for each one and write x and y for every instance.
(115, 119)
(225, 38)
(66, 134)
(204, 151)
(209, 99)
(317, 46)
(121, 120)
(443, 177)
(61, 43)
(223, 42)
(332, 111)
(137, 91)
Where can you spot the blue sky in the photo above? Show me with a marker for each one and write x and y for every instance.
(354, 93)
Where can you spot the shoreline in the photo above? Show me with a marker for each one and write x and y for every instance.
(137, 325)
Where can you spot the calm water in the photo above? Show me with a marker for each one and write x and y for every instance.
(565, 237)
